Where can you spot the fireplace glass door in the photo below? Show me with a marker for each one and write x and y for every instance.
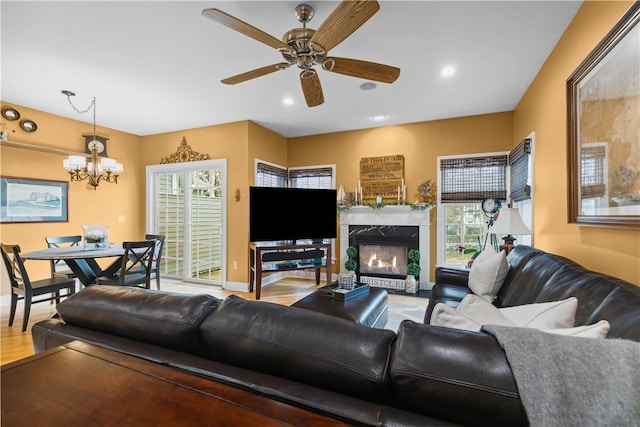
(382, 260)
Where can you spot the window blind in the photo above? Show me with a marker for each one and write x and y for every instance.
(270, 175)
(312, 177)
(519, 163)
(472, 179)
(592, 171)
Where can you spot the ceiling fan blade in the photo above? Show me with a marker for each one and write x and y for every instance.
(242, 27)
(362, 69)
(343, 21)
(311, 88)
(258, 72)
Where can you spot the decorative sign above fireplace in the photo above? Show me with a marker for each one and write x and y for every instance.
(382, 176)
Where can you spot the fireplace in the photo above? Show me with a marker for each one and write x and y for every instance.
(382, 238)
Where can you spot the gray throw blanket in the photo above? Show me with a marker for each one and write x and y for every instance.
(569, 381)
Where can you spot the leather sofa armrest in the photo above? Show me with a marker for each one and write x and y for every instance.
(450, 287)
(452, 276)
(459, 376)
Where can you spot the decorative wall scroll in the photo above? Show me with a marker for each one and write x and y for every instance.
(184, 153)
(382, 176)
(603, 97)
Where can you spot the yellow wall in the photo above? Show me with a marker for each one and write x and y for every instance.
(420, 143)
(543, 111)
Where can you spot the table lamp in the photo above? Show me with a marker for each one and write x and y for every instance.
(509, 222)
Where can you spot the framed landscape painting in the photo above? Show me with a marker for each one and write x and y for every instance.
(33, 200)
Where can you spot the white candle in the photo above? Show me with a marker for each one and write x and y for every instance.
(398, 194)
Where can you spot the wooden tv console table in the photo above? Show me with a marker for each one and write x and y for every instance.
(271, 258)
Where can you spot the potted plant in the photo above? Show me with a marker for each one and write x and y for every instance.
(351, 264)
(413, 271)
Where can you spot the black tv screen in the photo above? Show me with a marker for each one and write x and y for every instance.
(277, 213)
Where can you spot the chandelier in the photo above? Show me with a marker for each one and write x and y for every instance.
(97, 169)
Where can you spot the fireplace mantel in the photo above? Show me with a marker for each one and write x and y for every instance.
(389, 215)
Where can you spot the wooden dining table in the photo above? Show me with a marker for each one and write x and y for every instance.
(82, 261)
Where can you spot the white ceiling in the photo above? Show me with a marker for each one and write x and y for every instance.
(156, 67)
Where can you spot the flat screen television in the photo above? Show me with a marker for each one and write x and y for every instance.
(277, 213)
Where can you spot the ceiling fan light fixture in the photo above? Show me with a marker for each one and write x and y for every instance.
(378, 117)
(368, 86)
(287, 100)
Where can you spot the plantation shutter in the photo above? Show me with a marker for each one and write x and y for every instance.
(270, 175)
(519, 163)
(320, 177)
(472, 179)
(592, 171)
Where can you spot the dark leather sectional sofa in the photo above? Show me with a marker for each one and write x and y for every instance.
(422, 376)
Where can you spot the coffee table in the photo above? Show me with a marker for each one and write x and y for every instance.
(369, 309)
(79, 384)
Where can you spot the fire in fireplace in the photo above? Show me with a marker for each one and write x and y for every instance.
(385, 260)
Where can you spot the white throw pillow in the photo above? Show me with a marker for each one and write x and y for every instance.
(545, 315)
(443, 315)
(597, 330)
(472, 314)
(482, 311)
(487, 273)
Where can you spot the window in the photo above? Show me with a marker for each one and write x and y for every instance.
(592, 167)
(463, 182)
(312, 177)
(270, 175)
(521, 195)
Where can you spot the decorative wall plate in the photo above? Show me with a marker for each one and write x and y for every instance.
(10, 114)
(28, 125)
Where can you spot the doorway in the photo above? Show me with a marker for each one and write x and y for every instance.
(186, 202)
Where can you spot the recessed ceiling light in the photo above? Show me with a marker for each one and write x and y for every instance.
(378, 117)
(287, 101)
(368, 86)
(447, 71)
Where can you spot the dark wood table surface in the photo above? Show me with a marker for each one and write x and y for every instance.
(83, 261)
(79, 384)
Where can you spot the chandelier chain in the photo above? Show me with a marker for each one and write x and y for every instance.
(92, 105)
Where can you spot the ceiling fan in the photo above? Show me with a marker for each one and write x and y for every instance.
(307, 48)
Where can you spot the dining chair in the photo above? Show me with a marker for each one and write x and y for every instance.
(59, 267)
(22, 288)
(157, 255)
(135, 268)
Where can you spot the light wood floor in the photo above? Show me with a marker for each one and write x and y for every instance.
(17, 344)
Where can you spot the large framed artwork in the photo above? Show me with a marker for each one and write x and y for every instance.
(603, 131)
(33, 200)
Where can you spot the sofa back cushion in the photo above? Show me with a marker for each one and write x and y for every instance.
(621, 308)
(301, 345)
(525, 286)
(165, 319)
